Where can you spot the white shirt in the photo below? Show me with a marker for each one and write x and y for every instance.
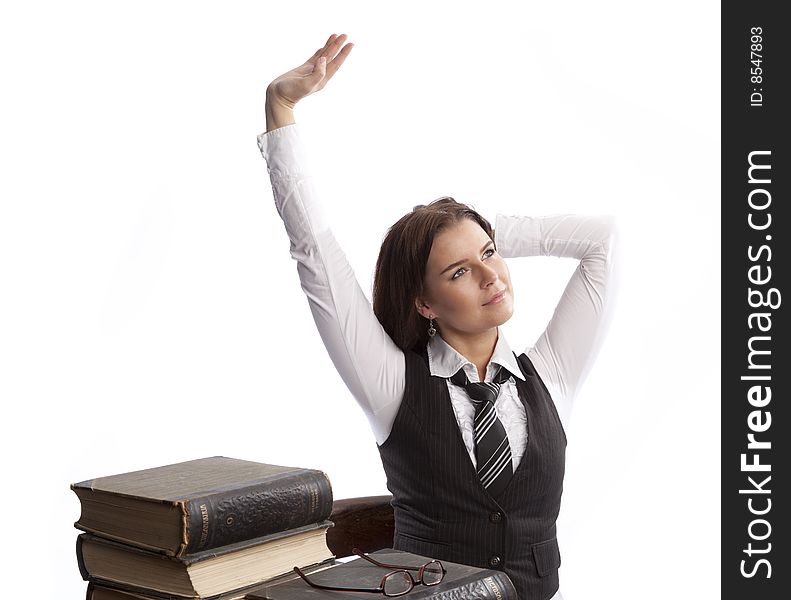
(370, 363)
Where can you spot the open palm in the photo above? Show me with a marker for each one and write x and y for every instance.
(312, 75)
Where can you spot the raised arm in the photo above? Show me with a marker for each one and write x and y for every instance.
(368, 361)
(568, 346)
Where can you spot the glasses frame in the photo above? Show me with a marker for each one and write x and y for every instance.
(381, 589)
(421, 569)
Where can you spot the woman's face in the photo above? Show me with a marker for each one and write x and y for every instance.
(467, 287)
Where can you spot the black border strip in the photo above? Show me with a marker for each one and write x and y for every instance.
(756, 562)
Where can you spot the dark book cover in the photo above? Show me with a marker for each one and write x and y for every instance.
(460, 581)
(228, 568)
(113, 591)
(201, 504)
(105, 590)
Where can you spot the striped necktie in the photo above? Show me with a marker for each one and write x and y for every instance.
(492, 450)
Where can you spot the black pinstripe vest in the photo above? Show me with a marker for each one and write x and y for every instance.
(442, 510)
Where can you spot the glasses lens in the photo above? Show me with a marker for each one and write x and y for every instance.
(432, 573)
(397, 583)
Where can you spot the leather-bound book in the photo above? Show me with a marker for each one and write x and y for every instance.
(106, 590)
(459, 581)
(194, 506)
(217, 573)
(99, 591)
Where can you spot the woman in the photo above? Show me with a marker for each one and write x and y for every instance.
(471, 435)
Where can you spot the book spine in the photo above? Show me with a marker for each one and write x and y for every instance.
(97, 586)
(289, 502)
(493, 586)
(80, 560)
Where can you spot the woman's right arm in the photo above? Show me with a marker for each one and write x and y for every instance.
(368, 361)
(566, 349)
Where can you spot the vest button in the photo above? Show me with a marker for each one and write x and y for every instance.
(494, 562)
(496, 517)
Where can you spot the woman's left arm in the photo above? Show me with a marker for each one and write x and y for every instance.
(568, 346)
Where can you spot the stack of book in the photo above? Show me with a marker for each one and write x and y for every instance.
(209, 528)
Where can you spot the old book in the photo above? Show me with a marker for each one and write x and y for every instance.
(460, 581)
(116, 591)
(201, 504)
(97, 591)
(203, 574)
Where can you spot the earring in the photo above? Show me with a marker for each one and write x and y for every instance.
(431, 329)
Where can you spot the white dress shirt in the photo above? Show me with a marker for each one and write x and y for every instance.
(372, 366)
(370, 363)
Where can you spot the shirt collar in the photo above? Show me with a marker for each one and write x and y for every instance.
(444, 361)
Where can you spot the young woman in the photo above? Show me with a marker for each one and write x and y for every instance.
(470, 434)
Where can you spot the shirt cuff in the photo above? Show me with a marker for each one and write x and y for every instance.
(283, 151)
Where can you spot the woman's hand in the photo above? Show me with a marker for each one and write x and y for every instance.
(288, 89)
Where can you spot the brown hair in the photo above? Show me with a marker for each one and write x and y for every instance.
(401, 268)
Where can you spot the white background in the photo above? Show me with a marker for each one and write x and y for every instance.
(150, 312)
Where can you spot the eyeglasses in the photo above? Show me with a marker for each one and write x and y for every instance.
(395, 583)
